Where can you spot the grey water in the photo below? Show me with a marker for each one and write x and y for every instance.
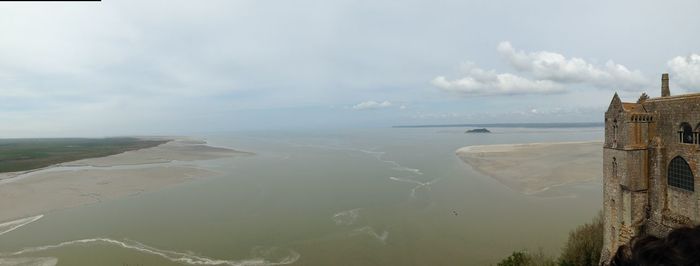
(394, 196)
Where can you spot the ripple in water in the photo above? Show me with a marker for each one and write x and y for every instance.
(347, 217)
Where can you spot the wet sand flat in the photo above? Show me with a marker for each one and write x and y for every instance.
(536, 167)
(92, 180)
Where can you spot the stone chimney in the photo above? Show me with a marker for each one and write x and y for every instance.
(665, 91)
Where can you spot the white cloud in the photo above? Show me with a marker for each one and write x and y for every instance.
(544, 72)
(481, 82)
(557, 67)
(685, 70)
(371, 105)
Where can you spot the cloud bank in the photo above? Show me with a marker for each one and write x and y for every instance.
(685, 71)
(558, 68)
(369, 105)
(481, 82)
(541, 72)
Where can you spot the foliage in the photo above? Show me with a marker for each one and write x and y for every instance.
(643, 98)
(518, 258)
(524, 258)
(584, 244)
(582, 249)
(28, 154)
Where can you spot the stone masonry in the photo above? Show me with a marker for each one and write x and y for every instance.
(651, 160)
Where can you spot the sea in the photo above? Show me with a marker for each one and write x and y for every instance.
(383, 196)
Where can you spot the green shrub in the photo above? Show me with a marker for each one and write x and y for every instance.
(524, 258)
(518, 258)
(584, 244)
(582, 249)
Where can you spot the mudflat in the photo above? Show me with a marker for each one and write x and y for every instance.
(536, 167)
(92, 180)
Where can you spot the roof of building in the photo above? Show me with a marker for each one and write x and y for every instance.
(674, 97)
(630, 106)
(639, 107)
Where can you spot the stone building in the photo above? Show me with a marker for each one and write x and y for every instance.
(651, 160)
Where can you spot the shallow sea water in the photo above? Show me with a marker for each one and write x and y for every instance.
(345, 197)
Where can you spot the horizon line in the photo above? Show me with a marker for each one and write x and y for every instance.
(509, 125)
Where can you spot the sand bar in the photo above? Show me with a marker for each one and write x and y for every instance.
(536, 167)
(86, 181)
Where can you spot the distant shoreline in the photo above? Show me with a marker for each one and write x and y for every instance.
(511, 125)
(26, 155)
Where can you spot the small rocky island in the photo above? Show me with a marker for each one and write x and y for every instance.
(478, 130)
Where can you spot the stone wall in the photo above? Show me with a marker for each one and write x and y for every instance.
(640, 141)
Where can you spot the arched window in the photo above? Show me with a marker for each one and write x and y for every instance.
(680, 175)
(686, 133)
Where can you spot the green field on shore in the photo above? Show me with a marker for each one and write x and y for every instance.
(27, 154)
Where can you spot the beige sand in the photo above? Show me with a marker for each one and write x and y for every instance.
(178, 150)
(130, 173)
(536, 167)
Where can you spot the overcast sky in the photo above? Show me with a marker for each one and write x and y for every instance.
(181, 67)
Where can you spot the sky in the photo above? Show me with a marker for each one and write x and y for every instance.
(170, 67)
